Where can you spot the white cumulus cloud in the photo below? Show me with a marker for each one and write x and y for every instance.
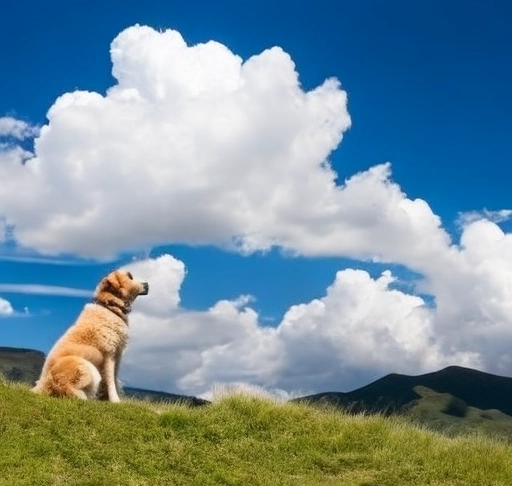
(361, 329)
(194, 145)
(191, 145)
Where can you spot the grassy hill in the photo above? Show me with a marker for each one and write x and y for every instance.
(434, 400)
(237, 441)
(408, 396)
(452, 416)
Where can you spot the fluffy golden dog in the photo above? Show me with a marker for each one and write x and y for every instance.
(88, 355)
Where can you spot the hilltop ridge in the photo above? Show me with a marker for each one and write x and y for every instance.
(394, 391)
(454, 398)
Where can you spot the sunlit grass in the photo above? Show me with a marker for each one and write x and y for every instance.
(238, 440)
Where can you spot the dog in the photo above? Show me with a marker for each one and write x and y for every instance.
(85, 360)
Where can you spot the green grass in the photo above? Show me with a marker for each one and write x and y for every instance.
(451, 416)
(236, 441)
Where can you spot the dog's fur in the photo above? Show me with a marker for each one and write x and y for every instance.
(85, 360)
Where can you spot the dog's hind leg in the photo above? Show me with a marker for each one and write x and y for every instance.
(71, 376)
(91, 390)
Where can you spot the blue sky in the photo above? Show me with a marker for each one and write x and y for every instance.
(219, 162)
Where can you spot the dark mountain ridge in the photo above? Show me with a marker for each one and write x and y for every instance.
(21, 364)
(392, 392)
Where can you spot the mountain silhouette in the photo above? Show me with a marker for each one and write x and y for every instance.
(20, 364)
(394, 391)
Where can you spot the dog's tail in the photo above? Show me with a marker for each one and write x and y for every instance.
(70, 376)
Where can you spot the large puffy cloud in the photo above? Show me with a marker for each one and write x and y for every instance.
(174, 348)
(362, 327)
(473, 293)
(194, 145)
(190, 145)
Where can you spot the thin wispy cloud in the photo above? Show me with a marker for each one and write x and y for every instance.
(28, 259)
(19, 129)
(498, 216)
(19, 257)
(37, 289)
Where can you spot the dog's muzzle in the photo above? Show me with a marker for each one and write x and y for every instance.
(145, 289)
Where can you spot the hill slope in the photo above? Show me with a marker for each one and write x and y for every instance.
(464, 390)
(19, 364)
(238, 441)
(392, 392)
(451, 415)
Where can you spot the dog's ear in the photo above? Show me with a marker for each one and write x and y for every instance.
(115, 282)
(118, 279)
(111, 283)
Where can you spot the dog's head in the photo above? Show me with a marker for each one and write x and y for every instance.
(118, 290)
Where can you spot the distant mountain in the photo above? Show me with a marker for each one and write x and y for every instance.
(393, 392)
(24, 365)
(19, 364)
